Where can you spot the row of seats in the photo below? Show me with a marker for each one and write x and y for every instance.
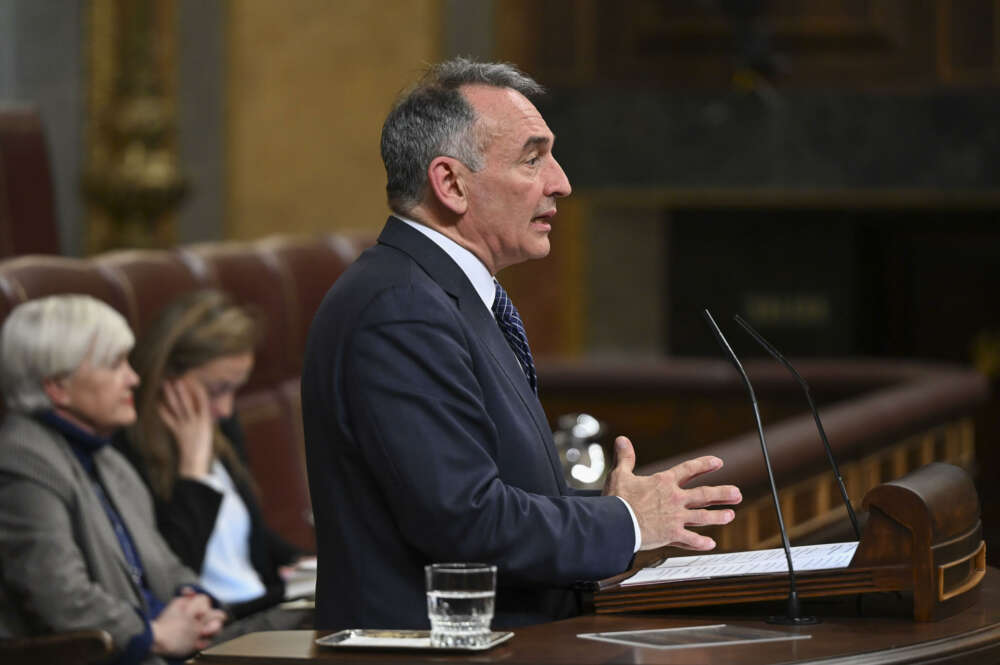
(282, 278)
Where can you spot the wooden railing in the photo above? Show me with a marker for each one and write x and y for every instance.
(883, 419)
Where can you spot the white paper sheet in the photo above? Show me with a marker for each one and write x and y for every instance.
(300, 583)
(755, 562)
(694, 636)
(393, 642)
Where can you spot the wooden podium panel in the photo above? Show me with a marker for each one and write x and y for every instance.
(972, 636)
(923, 537)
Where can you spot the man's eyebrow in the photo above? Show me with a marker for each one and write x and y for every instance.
(534, 142)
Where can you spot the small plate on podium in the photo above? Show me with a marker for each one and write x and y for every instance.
(418, 640)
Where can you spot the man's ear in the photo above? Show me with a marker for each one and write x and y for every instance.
(56, 391)
(445, 177)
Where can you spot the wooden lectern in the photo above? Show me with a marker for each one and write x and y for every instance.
(923, 536)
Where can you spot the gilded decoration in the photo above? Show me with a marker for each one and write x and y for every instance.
(132, 180)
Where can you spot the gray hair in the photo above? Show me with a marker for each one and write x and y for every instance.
(52, 337)
(434, 118)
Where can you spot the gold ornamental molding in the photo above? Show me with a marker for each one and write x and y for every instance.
(132, 180)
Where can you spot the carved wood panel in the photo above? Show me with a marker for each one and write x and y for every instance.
(749, 43)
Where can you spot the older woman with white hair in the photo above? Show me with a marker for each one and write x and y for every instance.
(79, 547)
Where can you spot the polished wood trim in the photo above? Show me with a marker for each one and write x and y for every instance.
(977, 563)
(885, 636)
(972, 647)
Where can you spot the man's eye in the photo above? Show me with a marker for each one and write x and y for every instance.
(534, 160)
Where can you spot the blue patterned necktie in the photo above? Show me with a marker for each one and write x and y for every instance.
(510, 324)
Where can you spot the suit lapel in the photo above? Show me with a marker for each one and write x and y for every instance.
(486, 329)
(105, 530)
(97, 537)
(132, 518)
(450, 277)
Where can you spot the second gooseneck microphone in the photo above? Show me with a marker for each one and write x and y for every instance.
(819, 425)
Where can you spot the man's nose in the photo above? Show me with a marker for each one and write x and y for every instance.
(558, 184)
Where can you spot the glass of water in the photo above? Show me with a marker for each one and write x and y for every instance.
(460, 603)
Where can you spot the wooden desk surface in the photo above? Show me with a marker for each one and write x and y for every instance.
(972, 636)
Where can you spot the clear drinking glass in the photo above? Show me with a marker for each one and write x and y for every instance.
(460, 603)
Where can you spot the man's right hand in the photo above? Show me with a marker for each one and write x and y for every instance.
(186, 625)
(663, 508)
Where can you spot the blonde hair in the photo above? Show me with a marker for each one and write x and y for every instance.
(53, 336)
(190, 332)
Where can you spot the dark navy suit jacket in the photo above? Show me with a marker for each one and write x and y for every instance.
(425, 444)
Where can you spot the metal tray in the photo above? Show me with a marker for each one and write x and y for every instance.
(361, 638)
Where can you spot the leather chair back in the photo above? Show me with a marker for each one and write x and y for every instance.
(282, 278)
(27, 202)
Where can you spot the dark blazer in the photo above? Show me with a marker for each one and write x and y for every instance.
(61, 565)
(425, 444)
(187, 521)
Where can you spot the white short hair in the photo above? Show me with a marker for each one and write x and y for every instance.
(52, 337)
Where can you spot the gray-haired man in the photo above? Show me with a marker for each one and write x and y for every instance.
(424, 434)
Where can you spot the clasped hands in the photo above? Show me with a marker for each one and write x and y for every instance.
(662, 505)
(187, 624)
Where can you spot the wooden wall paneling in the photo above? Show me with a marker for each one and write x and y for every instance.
(548, 292)
(844, 43)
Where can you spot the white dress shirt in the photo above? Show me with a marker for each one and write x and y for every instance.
(227, 572)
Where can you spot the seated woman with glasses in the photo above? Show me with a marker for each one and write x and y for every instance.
(188, 447)
(78, 546)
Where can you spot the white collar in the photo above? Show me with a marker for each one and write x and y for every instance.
(469, 263)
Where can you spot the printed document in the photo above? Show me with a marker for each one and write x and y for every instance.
(755, 562)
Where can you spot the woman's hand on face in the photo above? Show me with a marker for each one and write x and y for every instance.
(184, 409)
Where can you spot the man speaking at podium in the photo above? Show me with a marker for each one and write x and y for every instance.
(425, 438)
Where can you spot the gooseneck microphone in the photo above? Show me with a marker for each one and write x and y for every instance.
(794, 614)
(819, 425)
